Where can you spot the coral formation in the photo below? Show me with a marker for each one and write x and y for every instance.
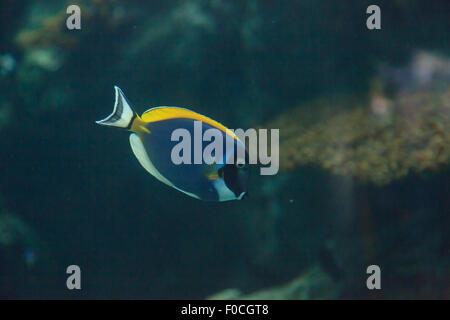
(376, 144)
(12, 230)
(47, 27)
(23, 259)
(312, 284)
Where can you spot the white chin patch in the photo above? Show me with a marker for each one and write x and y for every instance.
(224, 193)
(242, 195)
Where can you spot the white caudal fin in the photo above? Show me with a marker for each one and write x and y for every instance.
(122, 115)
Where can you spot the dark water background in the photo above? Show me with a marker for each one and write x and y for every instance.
(78, 196)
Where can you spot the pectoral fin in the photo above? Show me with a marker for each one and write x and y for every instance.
(141, 154)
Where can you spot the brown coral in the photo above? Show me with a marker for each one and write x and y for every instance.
(52, 30)
(312, 284)
(411, 134)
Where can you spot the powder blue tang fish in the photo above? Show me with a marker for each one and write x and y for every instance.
(220, 180)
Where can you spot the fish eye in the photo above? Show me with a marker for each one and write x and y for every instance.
(240, 164)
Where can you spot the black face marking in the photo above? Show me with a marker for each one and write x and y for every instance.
(235, 176)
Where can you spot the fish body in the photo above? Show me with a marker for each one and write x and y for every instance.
(152, 143)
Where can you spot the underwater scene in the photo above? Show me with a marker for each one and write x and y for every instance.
(224, 149)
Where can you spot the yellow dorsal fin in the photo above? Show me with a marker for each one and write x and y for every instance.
(139, 126)
(165, 113)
